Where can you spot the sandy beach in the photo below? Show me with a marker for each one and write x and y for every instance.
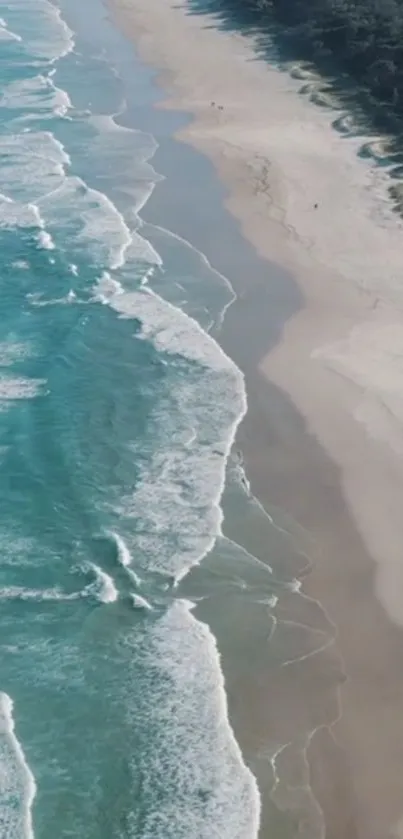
(339, 471)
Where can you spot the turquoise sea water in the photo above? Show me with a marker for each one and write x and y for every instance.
(118, 412)
(113, 448)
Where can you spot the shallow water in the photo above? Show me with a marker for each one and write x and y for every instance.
(118, 412)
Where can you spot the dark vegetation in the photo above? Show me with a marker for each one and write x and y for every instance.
(359, 41)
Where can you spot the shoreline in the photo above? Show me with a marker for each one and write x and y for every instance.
(321, 364)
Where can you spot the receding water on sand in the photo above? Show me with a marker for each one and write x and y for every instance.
(277, 652)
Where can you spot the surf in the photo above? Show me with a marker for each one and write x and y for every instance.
(81, 244)
(17, 783)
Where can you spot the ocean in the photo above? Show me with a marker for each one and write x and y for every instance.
(118, 414)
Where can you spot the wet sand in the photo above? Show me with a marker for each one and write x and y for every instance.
(323, 436)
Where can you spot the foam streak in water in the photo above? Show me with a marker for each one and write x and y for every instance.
(210, 792)
(27, 98)
(103, 586)
(13, 387)
(140, 602)
(102, 589)
(42, 25)
(124, 557)
(45, 241)
(180, 490)
(123, 551)
(17, 783)
(6, 34)
(37, 595)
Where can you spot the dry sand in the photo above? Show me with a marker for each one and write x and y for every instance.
(340, 360)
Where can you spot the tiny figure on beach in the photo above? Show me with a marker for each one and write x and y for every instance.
(316, 206)
(212, 104)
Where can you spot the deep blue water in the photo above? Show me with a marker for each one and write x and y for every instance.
(117, 415)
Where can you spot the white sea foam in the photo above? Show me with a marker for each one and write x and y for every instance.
(239, 474)
(38, 300)
(96, 226)
(37, 595)
(127, 152)
(140, 602)
(106, 288)
(18, 387)
(141, 250)
(44, 33)
(119, 234)
(21, 264)
(173, 331)
(61, 102)
(38, 193)
(12, 351)
(45, 240)
(177, 501)
(38, 95)
(18, 214)
(6, 34)
(179, 492)
(103, 587)
(135, 579)
(33, 165)
(17, 783)
(139, 144)
(177, 498)
(124, 557)
(208, 790)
